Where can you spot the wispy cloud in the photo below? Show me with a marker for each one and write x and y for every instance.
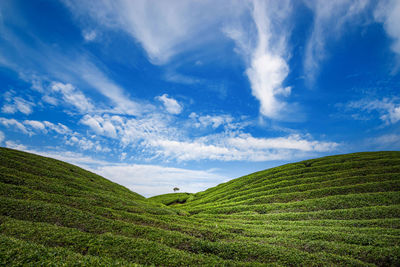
(15, 145)
(41, 64)
(240, 147)
(388, 109)
(266, 53)
(70, 138)
(2, 136)
(386, 141)
(164, 29)
(89, 35)
(331, 19)
(388, 13)
(158, 136)
(171, 105)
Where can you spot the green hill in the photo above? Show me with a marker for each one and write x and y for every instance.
(338, 210)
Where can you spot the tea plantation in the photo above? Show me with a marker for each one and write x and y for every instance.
(337, 210)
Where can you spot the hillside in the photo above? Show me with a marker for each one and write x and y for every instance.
(337, 210)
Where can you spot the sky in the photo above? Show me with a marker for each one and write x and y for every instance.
(161, 94)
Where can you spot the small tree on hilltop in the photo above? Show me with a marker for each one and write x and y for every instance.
(176, 189)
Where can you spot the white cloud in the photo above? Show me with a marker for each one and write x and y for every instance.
(12, 122)
(175, 77)
(265, 53)
(94, 77)
(89, 35)
(238, 146)
(69, 67)
(78, 159)
(388, 13)
(14, 145)
(164, 29)
(331, 18)
(213, 121)
(35, 124)
(85, 144)
(157, 136)
(171, 105)
(71, 138)
(150, 180)
(388, 109)
(26, 126)
(100, 125)
(51, 100)
(58, 128)
(73, 96)
(1, 137)
(387, 141)
(16, 104)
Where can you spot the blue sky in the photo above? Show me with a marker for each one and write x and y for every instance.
(158, 94)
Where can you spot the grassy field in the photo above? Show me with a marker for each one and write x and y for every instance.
(337, 210)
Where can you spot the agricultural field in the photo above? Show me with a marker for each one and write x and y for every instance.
(339, 210)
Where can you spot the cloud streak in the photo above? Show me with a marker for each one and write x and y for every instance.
(164, 29)
(387, 108)
(387, 13)
(265, 52)
(331, 19)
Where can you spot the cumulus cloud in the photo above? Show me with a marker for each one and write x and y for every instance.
(58, 128)
(171, 105)
(158, 136)
(12, 122)
(388, 13)
(1, 137)
(100, 125)
(73, 96)
(16, 104)
(213, 121)
(331, 18)
(35, 124)
(84, 143)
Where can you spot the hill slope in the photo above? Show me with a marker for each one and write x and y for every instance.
(339, 210)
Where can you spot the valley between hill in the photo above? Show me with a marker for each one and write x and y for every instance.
(336, 210)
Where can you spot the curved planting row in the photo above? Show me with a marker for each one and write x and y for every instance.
(339, 210)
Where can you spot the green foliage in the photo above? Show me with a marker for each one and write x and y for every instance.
(171, 199)
(337, 210)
